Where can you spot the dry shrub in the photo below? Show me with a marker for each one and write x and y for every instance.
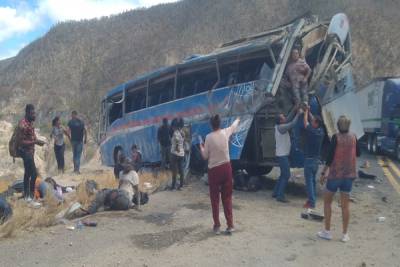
(157, 180)
(25, 218)
(4, 185)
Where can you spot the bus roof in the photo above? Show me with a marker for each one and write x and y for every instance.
(245, 45)
(248, 44)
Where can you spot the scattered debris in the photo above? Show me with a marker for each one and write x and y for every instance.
(384, 199)
(313, 215)
(70, 228)
(381, 219)
(90, 224)
(364, 175)
(370, 186)
(5, 210)
(366, 165)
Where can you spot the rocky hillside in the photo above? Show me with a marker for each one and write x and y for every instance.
(75, 63)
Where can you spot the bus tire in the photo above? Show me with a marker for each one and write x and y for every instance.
(258, 170)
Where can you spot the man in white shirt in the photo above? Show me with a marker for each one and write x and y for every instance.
(283, 145)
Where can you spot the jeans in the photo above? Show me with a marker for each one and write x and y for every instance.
(280, 186)
(59, 152)
(343, 184)
(165, 151)
(177, 167)
(30, 173)
(220, 182)
(77, 148)
(310, 173)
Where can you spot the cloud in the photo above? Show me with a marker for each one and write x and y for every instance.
(13, 22)
(60, 10)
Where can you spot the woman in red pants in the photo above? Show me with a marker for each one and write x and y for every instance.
(216, 151)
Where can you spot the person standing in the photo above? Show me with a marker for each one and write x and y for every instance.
(164, 134)
(177, 154)
(78, 136)
(298, 72)
(339, 173)
(59, 145)
(312, 151)
(283, 145)
(26, 149)
(216, 151)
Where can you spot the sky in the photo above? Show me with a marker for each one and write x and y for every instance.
(23, 21)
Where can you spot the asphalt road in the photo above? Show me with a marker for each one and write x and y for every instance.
(174, 229)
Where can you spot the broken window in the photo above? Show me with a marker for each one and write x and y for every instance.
(196, 80)
(161, 90)
(115, 108)
(135, 98)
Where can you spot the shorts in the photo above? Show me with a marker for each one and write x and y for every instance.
(345, 185)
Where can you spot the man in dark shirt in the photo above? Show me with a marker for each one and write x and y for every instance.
(78, 135)
(164, 135)
(312, 150)
(26, 149)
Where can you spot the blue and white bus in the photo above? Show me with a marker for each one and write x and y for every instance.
(244, 78)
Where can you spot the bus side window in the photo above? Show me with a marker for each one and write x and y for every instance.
(162, 90)
(197, 80)
(115, 112)
(135, 99)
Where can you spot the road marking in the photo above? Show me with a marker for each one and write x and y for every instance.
(388, 174)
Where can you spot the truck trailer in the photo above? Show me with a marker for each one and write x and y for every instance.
(379, 103)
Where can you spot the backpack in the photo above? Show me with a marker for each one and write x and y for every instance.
(13, 144)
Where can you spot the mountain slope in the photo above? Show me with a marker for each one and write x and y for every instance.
(75, 63)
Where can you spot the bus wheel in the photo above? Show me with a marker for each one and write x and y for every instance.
(258, 170)
(117, 152)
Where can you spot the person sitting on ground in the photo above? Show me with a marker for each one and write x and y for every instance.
(298, 72)
(129, 182)
(121, 198)
(283, 145)
(136, 158)
(312, 151)
(216, 151)
(339, 172)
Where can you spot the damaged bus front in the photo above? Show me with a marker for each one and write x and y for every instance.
(244, 78)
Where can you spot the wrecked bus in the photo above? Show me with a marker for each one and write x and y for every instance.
(244, 78)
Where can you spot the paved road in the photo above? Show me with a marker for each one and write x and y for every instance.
(174, 230)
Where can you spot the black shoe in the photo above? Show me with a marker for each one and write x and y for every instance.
(283, 200)
(179, 188)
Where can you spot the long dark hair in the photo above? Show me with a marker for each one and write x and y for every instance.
(215, 122)
(55, 120)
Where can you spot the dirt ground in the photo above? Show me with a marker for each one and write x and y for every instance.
(174, 229)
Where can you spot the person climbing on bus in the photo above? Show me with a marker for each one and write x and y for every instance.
(312, 151)
(177, 153)
(283, 145)
(164, 135)
(298, 72)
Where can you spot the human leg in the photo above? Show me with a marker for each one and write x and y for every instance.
(181, 171)
(226, 194)
(173, 170)
(310, 172)
(214, 188)
(284, 177)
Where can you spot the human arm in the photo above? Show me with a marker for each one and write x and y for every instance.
(308, 72)
(233, 127)
(329, 159)
(84, 135)
(283, 128)
(204, 150)
(66, 133)
(305, 118)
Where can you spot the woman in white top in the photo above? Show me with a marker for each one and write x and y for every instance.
(59, 145)
(129, 183)
(216, 151)
(177, 152)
